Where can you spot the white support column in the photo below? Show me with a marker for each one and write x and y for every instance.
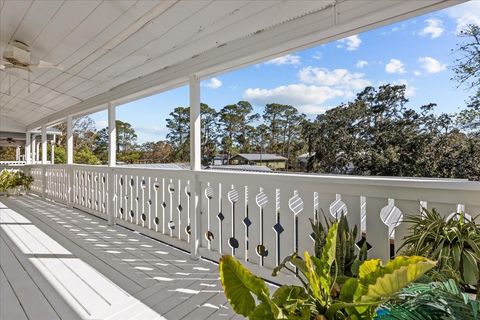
(28, 147)
(44, 144)
(34, 149)
(70, 161)
(112, 136)
(17, 153)
(52, 151)
(195, 124)
(69, 140)
(112, 162)
(37, 151)
(195, 165)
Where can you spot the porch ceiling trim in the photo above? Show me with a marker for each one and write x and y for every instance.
(346, 18)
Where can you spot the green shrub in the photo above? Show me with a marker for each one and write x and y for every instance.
(453, 242)
(358, 298)
(11, 179)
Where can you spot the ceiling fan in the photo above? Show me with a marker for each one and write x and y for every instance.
(17, 56)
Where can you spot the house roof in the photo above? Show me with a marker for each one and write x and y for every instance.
(260, 157)
(240, 168)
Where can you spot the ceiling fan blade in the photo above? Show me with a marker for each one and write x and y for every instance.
(45, 64)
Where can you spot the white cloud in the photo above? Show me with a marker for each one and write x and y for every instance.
(417, 73)
(410, 90)
(288, 59)
(351, 43)
(395, 66)
(214, 83)
(433, 28)
(431, 65)
(307, 97)
(341, 78)
(317, 86)
(100, 124)
(317, 55)
(361, 64)
(464, 14)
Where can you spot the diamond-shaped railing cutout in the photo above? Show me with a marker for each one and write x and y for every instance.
(247, 222)
(362, 241)
(233, 196)
(120, 211)
(132, 182)
(209, 192)
(143, 184)
(156, 221)
(149, 202)
(171, 225)
(220, 216)
(187, 190)
(164, 204)
(121, 181)
(132, 214)
(312, 236)
(278, 228)
(180, 208)
(144, 217)
(261, 199)
(296, 204)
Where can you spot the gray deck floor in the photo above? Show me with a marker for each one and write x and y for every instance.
(62, 263)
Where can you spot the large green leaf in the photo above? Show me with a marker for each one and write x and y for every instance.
(239, 284)
(393, 277)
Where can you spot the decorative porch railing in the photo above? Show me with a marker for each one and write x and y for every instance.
(258, 217)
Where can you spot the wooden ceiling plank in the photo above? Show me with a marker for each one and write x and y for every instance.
(36, 20)
(168, 19)
(12, 14)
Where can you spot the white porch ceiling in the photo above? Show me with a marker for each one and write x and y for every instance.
(113, 49)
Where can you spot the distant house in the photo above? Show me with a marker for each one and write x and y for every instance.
(240, 167)
(272, 161)
(220, 160)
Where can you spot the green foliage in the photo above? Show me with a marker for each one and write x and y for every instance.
(454, 243)
(347, 261)
(10, 179)
(358, 299)
(431, 301)
(7, 153)
(377, 134)
(85, 156)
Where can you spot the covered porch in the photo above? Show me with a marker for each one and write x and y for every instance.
(113, 242)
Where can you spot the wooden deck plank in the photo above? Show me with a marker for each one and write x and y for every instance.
(34, 303)
(155, 274)
(10, 307)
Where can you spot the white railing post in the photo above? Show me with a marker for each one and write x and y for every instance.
(44, 161)
(195, 165)
(112, 161)
(69, 161)
(52, 151)
(28, 147)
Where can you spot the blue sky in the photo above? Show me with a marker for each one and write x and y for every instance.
(416, 52)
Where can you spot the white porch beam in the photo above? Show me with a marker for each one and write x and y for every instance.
(28, 147)
(332, 23)
(112, 162)
(195, 124)
(195, 166)
(44, 144)
(69, 140)
(52, 151)
(112, 135)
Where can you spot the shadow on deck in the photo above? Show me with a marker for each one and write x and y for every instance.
(62, 263)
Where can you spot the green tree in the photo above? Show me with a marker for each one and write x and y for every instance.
(235, 121)
(178, 135)
(84, 155)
